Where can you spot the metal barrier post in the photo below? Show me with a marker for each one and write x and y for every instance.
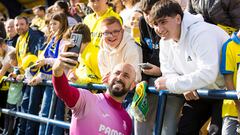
(162, 99)
(218, 94)
(51, 111)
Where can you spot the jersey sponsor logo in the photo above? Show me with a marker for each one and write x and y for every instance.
(103, 129)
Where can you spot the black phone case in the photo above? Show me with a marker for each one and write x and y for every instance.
(74, 49)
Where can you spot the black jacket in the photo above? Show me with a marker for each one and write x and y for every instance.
(12, 42)
(224, 12)
(36, 40)
(149, 41)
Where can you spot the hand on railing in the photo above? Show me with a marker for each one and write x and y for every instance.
(35, 81)
(160, 83)
(20, 78)
(13, 76)
(191, 95)
(40, 63)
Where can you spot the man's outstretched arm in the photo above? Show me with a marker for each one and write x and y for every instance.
(61, 86)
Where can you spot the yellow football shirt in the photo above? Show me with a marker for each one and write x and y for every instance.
(230, 64)
(21, 47)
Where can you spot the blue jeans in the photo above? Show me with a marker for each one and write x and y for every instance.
(24, 109)
(57, 113)
(46, 102)
(36, 95)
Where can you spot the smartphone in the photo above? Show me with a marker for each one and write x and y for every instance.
(145, 65)
(76, 40)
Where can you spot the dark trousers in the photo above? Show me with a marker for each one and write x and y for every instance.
(196, 113)
(32, 97)
(24, 109)
(59, 115)
(3, 102)
(10, 121)
(35, 100)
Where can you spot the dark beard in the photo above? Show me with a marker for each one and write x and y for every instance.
(115, 91)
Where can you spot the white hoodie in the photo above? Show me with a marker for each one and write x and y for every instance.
(193, 62)
(127, 51)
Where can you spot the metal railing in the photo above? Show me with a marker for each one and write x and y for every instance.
(203, 93)
(36, 118)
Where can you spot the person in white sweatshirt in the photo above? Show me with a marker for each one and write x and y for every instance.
(189, 56)
(117, 46)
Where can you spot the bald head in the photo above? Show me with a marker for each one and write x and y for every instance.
(122, 80)
(9, 21)
(126, 68)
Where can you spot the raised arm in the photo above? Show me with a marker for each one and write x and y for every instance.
(64, 91)
(62, 88)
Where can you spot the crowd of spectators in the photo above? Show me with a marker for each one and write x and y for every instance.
(186, 45)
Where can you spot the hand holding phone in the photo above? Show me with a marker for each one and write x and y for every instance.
(76, 40)
(145, 65)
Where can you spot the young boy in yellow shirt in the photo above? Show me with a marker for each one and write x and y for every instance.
(229, 67)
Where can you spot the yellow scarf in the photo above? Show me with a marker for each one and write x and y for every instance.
(21, 47)
(228, 29)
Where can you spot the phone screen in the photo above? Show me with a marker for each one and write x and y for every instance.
(76, 40)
